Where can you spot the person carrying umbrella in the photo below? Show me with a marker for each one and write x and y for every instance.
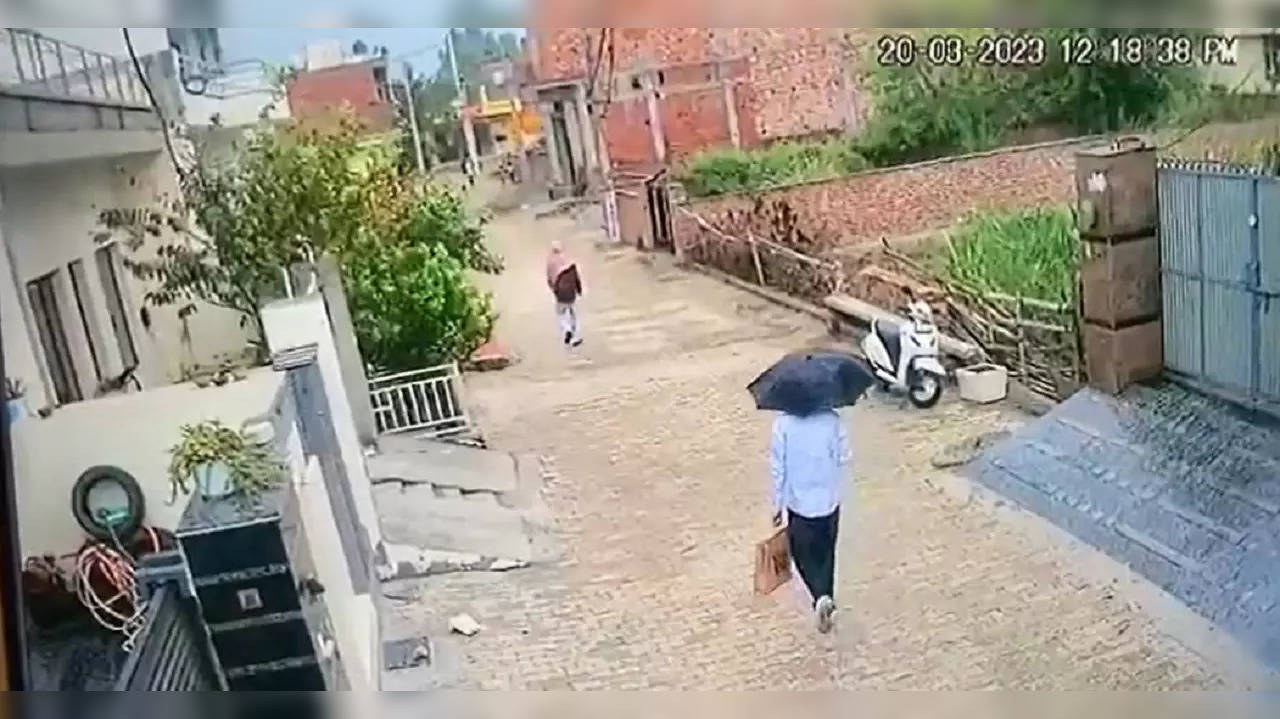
(809, 457)
(566, 285)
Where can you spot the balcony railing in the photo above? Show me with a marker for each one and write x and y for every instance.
(38, 65)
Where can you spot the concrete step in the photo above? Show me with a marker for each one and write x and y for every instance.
(443, 464)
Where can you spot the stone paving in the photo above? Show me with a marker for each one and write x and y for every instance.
(654, 469)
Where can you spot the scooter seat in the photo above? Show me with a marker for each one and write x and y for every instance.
(891, 337)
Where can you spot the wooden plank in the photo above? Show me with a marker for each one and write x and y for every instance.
(755, 258)
(866, 312)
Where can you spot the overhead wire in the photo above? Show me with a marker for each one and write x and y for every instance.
(155, 104)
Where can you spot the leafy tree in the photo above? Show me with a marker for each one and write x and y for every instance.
(290, 196)
(413, 306)
(925, 111)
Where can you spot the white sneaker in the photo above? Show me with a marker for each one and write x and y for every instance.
(825, 609)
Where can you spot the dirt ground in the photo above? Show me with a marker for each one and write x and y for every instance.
(655, 472)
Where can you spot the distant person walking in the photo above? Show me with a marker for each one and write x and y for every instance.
(566, 285)
(809, 456)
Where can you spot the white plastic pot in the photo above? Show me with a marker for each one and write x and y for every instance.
(213, 481)
(983, 383)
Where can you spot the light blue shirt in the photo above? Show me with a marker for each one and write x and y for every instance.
(807, 458)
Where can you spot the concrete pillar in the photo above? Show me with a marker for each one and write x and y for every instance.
(573, 129)
(655, 118)
(354, 379)
(553, 144)
(730, 110)
(469, 137)
(586, 130)
(302, 321)
(1120, 269)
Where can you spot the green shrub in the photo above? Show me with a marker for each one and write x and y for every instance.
(414, 306)
(719, 172)
(441, 217)
(1033, 253)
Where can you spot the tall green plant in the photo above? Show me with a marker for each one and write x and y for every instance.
(1033, 253)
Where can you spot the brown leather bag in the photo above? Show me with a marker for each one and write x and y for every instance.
(773, 562)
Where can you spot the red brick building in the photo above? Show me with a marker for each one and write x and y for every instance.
(675, 91)
(318, 96)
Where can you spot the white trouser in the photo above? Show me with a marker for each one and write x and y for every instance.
(567, 314)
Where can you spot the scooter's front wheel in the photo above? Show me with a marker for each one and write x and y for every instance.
(924, 390)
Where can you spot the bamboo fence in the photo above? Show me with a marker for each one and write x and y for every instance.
(1038, 341)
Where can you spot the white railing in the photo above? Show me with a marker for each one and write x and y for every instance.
(38, 64)
(428, 401)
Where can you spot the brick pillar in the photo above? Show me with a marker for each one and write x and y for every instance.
(1120, 265)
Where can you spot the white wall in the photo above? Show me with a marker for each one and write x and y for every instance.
(296, 323)
(234, 111)
(130, 431)
(50, 217)
(354, 617)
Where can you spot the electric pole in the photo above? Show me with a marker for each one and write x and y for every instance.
(453, 63)
(413, 120)
(468, 134)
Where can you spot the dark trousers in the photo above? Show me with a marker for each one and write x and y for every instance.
(812, 541)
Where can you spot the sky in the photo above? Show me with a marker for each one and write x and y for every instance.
(278, 45)
(351, 20)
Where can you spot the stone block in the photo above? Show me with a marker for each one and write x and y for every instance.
(1121, 281)
(1118, 358)
(1116, 190)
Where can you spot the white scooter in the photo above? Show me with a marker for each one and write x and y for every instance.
(906, 356)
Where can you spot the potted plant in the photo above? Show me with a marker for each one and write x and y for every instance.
(14, 391)
(219, 462)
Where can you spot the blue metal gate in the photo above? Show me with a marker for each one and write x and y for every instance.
(1220, 261)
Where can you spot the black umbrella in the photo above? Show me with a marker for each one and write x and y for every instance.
(803, 383)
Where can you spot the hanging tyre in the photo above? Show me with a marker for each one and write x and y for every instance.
(108, 523)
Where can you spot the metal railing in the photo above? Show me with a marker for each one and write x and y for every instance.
(170, 653)
(428, 401)
(36, 64)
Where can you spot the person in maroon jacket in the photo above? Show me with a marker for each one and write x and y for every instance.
(566, 285)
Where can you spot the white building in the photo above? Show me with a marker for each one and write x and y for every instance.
(79, 135)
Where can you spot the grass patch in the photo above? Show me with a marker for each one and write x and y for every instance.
(1032, 253)
(725, 171)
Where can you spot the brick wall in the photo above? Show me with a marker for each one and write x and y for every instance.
(694, 120)
(317, 96)
(787, 82)
(627, 135)
(906, 200)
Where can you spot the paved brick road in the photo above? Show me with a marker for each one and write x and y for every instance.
(655, 473)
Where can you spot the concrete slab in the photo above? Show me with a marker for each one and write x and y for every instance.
(408, 459)
(1180, 487)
